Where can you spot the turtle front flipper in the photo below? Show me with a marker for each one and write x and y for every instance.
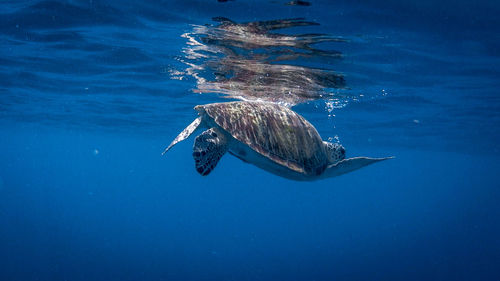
(349, 165)
(185, 133)
(208, 149)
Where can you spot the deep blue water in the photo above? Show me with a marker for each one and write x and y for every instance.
(93, 91)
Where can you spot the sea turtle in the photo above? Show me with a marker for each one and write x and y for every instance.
(270, 136)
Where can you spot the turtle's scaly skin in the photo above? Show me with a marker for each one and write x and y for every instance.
(273, 131)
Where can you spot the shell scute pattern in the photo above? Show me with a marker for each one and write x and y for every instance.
(279, 134)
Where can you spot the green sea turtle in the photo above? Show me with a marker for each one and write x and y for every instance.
(271, 137)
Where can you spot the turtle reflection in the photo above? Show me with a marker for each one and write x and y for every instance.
(254, 79)
(250, 62)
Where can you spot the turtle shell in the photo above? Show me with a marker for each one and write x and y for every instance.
(274, 131)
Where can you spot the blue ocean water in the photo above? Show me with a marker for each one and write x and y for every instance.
(93, 91)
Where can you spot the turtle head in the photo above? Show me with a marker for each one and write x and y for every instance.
(334, 151)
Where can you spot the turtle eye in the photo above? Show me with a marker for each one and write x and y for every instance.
(341, 153)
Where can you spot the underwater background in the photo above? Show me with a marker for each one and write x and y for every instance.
(91, 92)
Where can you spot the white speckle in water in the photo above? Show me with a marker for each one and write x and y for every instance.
(86, 88)
(96, 151)
(334, 139)
(416, 121)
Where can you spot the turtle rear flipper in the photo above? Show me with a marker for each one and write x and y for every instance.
(208, 149)
(184, 134)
